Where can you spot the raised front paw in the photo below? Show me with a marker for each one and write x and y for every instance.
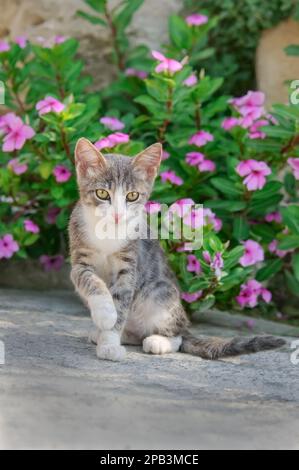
(111, 352)
(103, 311)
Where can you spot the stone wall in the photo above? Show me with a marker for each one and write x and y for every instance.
(47, 18)
(273, 66)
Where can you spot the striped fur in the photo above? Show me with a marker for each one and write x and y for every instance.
(127, 284)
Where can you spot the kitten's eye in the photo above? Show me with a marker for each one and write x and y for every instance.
(132, 196)
(103, 194)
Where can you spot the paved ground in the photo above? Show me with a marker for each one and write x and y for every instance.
(54, 392)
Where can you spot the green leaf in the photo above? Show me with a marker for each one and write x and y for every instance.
(45, 169)
(205, 304)
(179, 32)
(271, 268)
(290, 242)
(285, 111)
(125, 15)
(92, 19)
(199, 284)
(240, 228)
(231, 206)
(235, 278)
(97, 5)
(233, 257)
(290, 184)
(226, 187)
(270, 189)
(290, 217)
(264, 231)
(207, 87)
(62, 219)
(295, 265)
(292, 283)
(30, 239)
(292, 50)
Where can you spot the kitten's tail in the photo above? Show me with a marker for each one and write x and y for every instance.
(215, 348)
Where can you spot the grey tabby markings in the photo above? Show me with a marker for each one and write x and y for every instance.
(135, 273)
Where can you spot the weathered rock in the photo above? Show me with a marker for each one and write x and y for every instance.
(46, 19)
(273, 66)
(55, 393)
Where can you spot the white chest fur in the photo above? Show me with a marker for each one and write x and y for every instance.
(103, 248)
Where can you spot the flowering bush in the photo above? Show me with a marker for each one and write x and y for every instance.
(229, 154)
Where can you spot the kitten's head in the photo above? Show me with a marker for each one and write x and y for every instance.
(115, 184)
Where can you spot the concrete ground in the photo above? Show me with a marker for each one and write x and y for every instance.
(55, 393)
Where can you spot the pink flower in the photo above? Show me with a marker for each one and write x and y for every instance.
(193, 265)
(273, 217)
(6, 122)
(250, 293)
(4, 46)
(252, 98)
(194, 158)
(171, 177)
(51, 263)
(191, 297)
(61, 173)
(18, 133)
(294, 163)
(52, 214)
(112, 123)
(201, 138)
(253, 254)
(255, 173)
(16, 167)
(207, 166)
(196, 19)
(250, 106)
(181, 207)
(273, 248)
(211, 219)
(207, 257)
(217, 265)
(165, 155)
(254, 130)
(166, 65)
(59, 39)
(112, 140)
(194, 218)
(191, 80)
(131, 72)
(229, 123)
(21, 41)
(30, 226)
(152, 207)
(49, 105)
(8, 246)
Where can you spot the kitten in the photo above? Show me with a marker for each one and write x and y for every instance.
(127, 284)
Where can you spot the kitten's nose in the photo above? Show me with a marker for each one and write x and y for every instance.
(117, 218)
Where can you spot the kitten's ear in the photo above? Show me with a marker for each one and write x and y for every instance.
(87, 156)
(149, 160)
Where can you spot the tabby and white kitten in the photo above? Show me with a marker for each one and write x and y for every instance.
(127, 284)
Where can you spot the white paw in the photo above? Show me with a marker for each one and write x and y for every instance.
(93, 336)
(111, 352)
(157, 344)
(103, 311)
